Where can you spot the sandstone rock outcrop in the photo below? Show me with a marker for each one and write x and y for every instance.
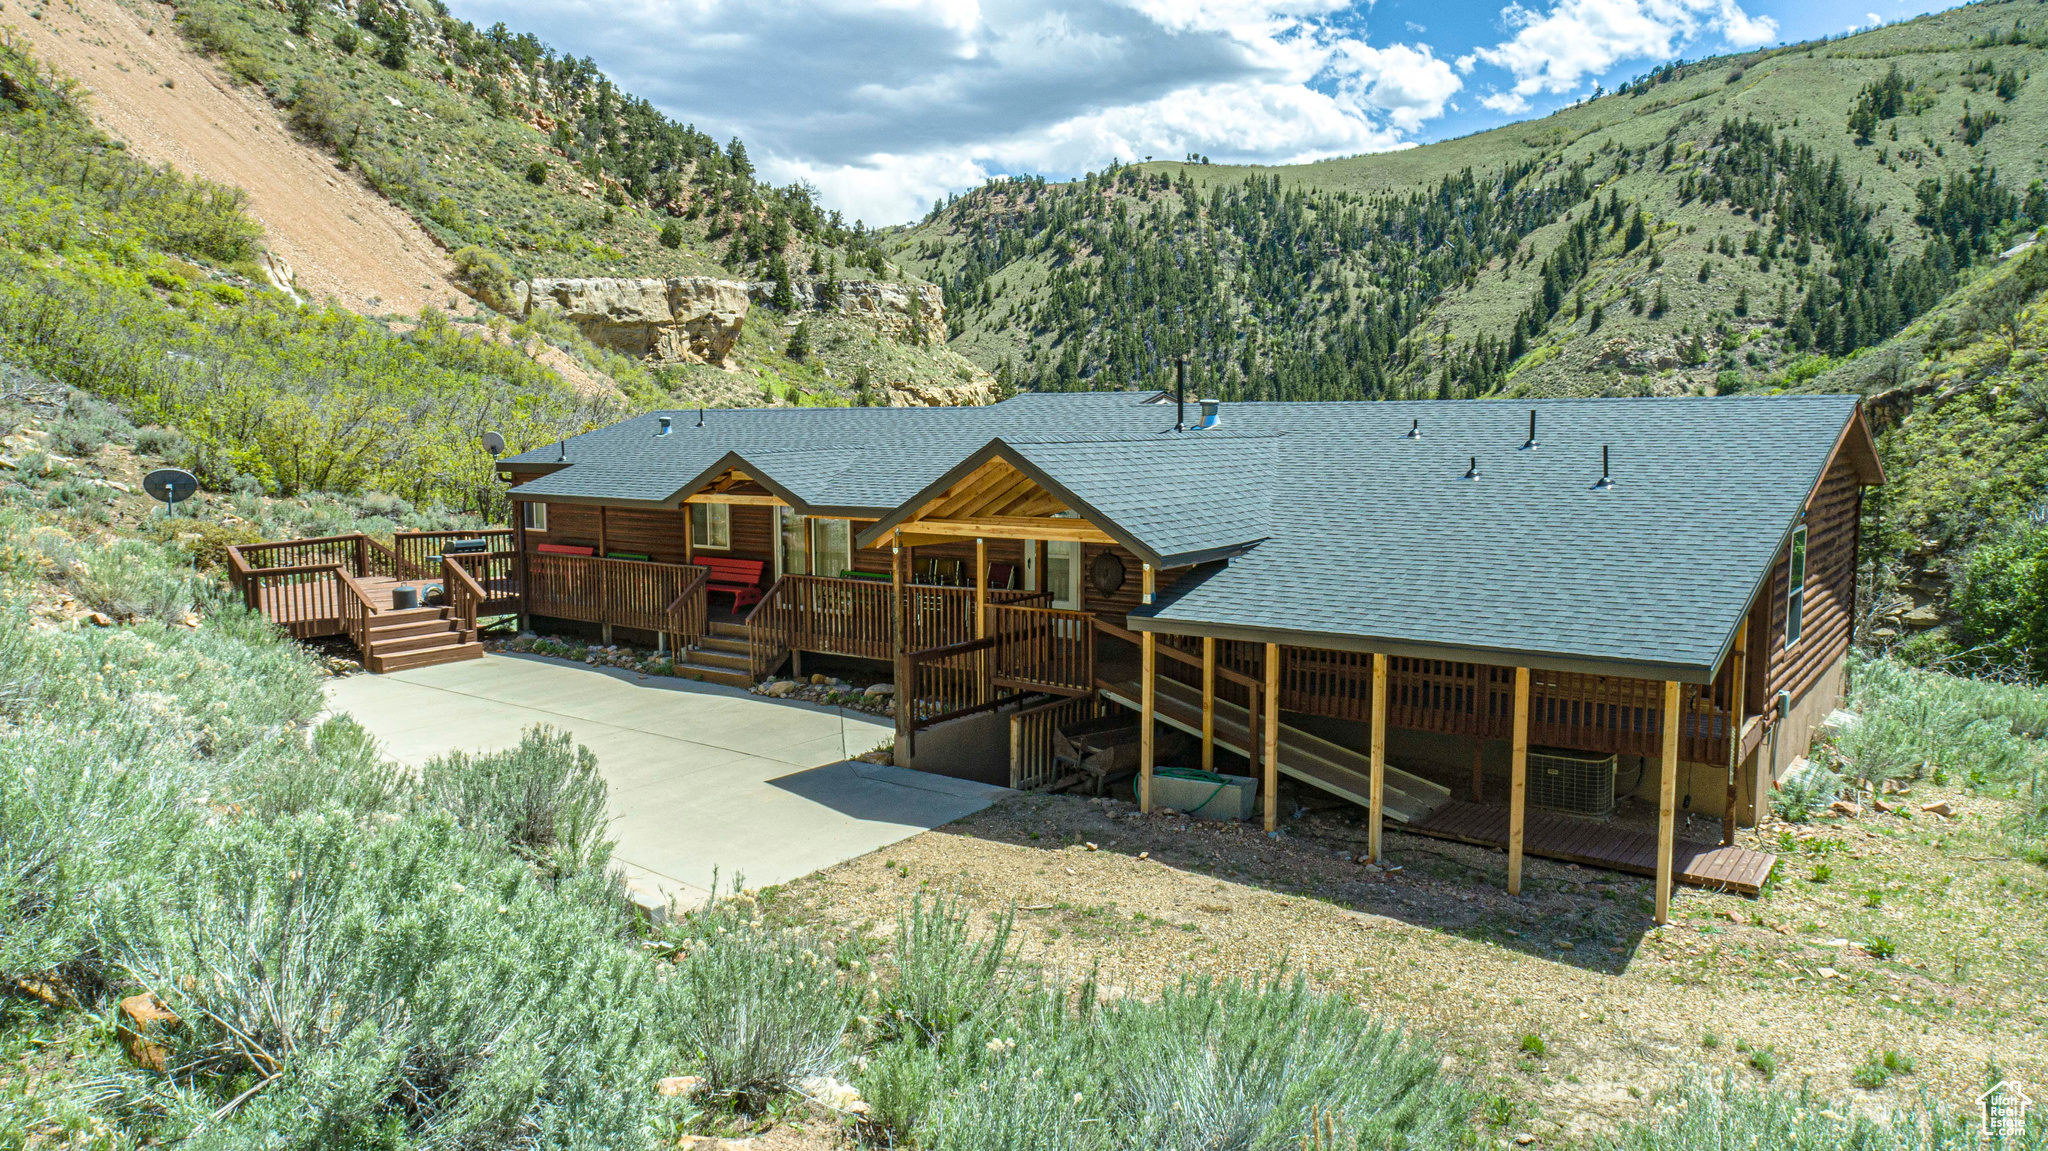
(687, 319)
(907, 313)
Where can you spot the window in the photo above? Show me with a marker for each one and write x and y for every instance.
(1062, 576)
(533, 515)
(711, 526)
(1795, 587)
(831, 546)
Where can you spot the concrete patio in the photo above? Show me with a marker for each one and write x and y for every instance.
(702, 778)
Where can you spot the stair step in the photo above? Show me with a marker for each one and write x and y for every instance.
(709, 674)
(383, 632)
(423, 657)
(439, 638)
(722, 643)
(727, 630)
(723, 659)
(409, 615)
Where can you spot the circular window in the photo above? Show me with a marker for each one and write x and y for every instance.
(1107, 573)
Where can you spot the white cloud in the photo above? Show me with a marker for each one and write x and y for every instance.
(1556, 51)
(888, 105)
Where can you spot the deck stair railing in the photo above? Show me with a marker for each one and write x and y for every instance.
(1033, 741)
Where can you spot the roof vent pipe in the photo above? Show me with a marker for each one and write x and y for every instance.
(1180, 394)
(1472, 473)
(562, 451)
(1606, 481)
(1210, 414)
(1531, 441)
(1414, 431)
(700, 417)
(664, 426)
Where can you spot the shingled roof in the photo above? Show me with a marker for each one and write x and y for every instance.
(1336, 527)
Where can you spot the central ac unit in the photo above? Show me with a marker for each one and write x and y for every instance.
(1575, 781)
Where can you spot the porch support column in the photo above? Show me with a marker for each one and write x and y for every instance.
(604, 607)
(984, 690)
(1270, 760)
(1518, 789)
(518, 513)
(1148, 711)
(689, 534)
(1732, 726)
(1377, 810)
(899, 563)
(1208, 703)
(1667, 801)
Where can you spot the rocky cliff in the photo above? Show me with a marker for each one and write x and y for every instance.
(697, 319)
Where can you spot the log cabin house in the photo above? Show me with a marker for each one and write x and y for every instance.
(1405, 604)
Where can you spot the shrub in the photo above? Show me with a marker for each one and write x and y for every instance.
(322, 113)
(942, 975)
(1801, 794)
(486, 273)
(2001, 603)
(671, 235)
(544, 800)
(163, 443)
(347, 41)
(762, 1008)
(537, 174)
(1719, 1112)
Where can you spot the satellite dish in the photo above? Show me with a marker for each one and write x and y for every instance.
(170, 485)
(494, 444)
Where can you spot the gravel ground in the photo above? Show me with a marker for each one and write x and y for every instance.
(1620, 1008)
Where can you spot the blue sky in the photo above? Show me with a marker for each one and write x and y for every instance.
(885, 105)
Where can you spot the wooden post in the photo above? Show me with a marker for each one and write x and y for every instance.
(1478, 769)
(1376, 811)
(1208, 703)
(1147, 714)
(689, 533)
(363, 556)
(1518, 787)
(1270, 784)
(604, 607)
(1667, 802)
(899, 562)
(983, 690)
(519, 553)
(1737, 688)
(1044, 556)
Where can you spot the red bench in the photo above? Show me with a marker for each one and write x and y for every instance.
(739, 578)
(565, 550)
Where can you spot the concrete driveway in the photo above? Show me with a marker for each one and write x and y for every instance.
(702, 777)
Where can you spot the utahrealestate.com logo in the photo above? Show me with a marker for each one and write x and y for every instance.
(2005, 1109)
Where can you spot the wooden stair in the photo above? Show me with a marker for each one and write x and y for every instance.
(1334, 768)
(720, 657)
(417, 637)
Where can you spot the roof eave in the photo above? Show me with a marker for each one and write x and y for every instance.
(1413, 649)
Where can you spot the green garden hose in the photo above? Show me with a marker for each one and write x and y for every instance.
(1199, 776)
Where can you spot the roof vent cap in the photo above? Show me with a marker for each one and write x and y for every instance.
(1530, 443)
(1211, 414)
(1472, 473)
(665, 422)
(1414, 431)
(1606, 481)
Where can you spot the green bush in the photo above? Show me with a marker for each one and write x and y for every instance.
(1703, 1112)
(2001, 604)
(671, 235)
(543, 800)
(537, 172)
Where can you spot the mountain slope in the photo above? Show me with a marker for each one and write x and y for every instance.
(1638, 242)
(340, 238)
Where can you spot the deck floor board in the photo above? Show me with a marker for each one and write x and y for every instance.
(1554, 836)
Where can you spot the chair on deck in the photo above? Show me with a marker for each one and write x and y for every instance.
(1002, 576)
(741, 579)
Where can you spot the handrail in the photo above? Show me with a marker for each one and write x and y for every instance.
(465, 595)
(686, 613)
(356, 610)
(300, 569)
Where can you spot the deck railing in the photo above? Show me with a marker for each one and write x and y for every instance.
(466, 597)
(656, 597)
(1042, 649)
(420, 548)
(1032, 738)
(822, 614)
(496, 572)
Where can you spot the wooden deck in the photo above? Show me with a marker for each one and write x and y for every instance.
(1554, 836)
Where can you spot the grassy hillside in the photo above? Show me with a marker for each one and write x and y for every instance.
(1512, 260)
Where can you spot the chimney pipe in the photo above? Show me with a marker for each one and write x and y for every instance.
(561, 451)
(1180, 394)
(1531, 441)
(700, 417)
(1414, 431)
(1472, 473)
(1606, 481)
(1211, 414)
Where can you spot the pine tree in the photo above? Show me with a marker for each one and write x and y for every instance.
(671, 235)
(799, 348)
(1662, 305)
(1599, 317)
(302, 16)
(1742, 302)
(784, 298)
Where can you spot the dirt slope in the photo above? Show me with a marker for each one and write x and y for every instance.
(341, 238)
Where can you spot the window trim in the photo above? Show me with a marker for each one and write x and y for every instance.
(711, 512)
(1796, 558)
(533, 516)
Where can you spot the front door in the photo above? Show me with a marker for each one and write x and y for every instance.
(1062, 576)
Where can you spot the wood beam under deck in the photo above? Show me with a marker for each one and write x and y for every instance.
(1376, 810)
(1270, 755)
(1518, 788)
(1148, 707)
